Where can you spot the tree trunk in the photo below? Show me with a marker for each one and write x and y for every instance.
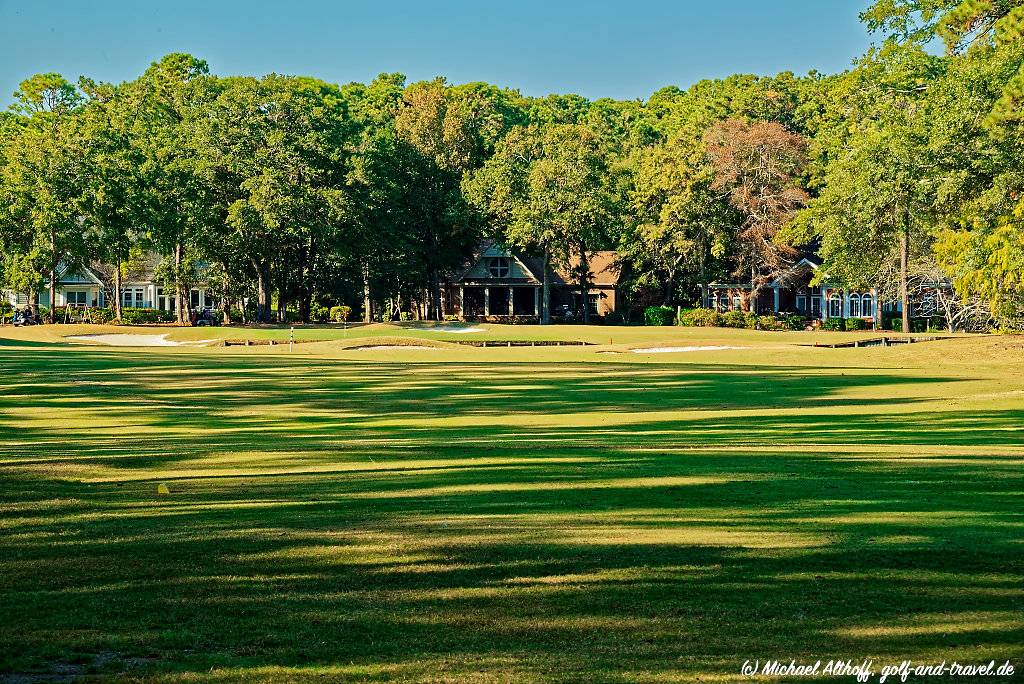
(904, 276)
(435, 295)
(754, 291)
(305, 288)
(584, 277)
(282, 294)
(545, 303)
(117, 291)
(704, 282)
(367, 314)
(184, 297)
(52, 315)
(262, 292)
(33, 303)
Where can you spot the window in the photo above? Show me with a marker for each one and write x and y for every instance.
(835, 305)
(76, 298)
(801, 303)
(592, 300)
(855, 306)
(498, 267)
(867, 309)
(815, 306)
(194, 299)
(133, 298)
(723, 302)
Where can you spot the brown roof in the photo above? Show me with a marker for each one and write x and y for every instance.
(603, 266)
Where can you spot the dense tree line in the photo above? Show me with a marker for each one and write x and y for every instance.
(288, 193)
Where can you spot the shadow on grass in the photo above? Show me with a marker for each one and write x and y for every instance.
(559, 523)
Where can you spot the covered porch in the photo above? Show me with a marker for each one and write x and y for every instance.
(481, 301)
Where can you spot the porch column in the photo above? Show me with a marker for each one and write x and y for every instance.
(536, 301)
(846, 304)
(462, 301)
(487, 301)
(776, 294)
(511, 301)
(824, 303)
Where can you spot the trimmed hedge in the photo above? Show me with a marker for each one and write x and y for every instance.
(659, 315)
(856, 324)
(710, 318)
(132, 316)
(833, 324)
(734, 319)
(700, 318)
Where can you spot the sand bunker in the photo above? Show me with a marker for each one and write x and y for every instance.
(391, 346)
(130, 340)
(666, 350)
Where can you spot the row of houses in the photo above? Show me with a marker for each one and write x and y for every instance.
(499, 283)
(82, 287)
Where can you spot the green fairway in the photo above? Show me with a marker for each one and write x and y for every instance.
(533, 514)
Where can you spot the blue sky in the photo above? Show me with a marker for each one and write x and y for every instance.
(597, 48)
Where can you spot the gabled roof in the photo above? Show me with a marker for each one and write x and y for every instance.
(603, 266)
(521, 270)
(808, 263)
(81, 275)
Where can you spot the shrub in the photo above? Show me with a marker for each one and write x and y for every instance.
(340, 314)
(734, 319)
(659, 315)
(145, 316)
(856, 324)
(319, 313)
(614, 318)
(700, 318)
(450, 317)
(793, 322)
(834, 324)
(773, 322)
(896, 324)
(751, 320)
(101, 315)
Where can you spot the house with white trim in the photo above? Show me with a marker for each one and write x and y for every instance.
(792, 293)
(83, 287)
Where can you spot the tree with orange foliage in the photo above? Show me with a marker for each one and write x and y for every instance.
(757, 165)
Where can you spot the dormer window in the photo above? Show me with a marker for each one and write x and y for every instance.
(498, 267)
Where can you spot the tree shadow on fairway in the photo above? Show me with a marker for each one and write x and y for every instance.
(496, 521)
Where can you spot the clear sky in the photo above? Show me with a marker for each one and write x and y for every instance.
(597, 48)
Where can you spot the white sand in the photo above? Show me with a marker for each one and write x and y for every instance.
(126, 340)
(392, 346)
(131, 340)
(665, 350)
